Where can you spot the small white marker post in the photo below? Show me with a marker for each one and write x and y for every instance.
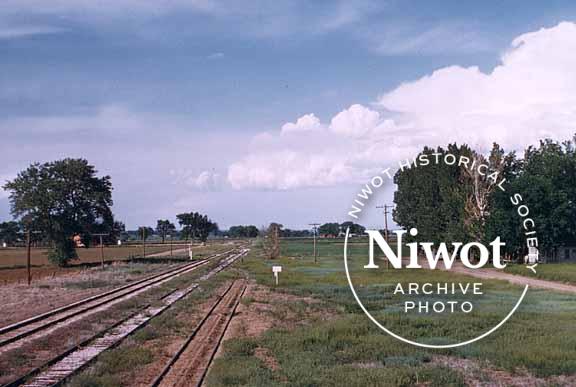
(190, 254)
(276, 270)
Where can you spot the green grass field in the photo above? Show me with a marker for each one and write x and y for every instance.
(348, 349)
(560, 272)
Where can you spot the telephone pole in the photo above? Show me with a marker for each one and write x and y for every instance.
(28, 253)
(314, 230)
(385, 207)
(101, 247)
(170, 236)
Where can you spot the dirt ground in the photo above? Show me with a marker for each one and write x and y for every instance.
(169, 342)
(20, 301)
(87, 256)
(10, 257)
(263, 309)
(458, 267)
(259, 310)
(515, 279)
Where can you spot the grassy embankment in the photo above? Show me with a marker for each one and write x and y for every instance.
(347, 349)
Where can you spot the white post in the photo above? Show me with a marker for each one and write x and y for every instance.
(276, 270)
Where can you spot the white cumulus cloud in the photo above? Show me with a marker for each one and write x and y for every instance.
(287, 170)
(530, 95)
(355, 121)
(306, 123)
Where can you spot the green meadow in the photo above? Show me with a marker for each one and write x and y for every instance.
(346, 348)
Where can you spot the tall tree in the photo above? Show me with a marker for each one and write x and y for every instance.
(250, 231)
(145, 232)
(354, 228)
(195, 225)
(164, 227)
(545, 180)
(431, 198)
(329, 229)
(480, 187)
(61, 199)
(189, 223)
(10, 232)
(205, 227)
(271, 241)
(118, 232)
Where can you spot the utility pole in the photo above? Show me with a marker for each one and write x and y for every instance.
(28, 253)
(101, 247)
(144, 235)
(314, 229)
(385, 207)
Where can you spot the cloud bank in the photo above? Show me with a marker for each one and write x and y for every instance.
(530, 95)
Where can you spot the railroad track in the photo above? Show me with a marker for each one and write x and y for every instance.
(14, 335)
(56, 371)
(189, 366)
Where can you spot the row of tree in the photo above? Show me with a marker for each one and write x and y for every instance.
(336, 229)
(455, 203)
(250, 231)
(10, 232)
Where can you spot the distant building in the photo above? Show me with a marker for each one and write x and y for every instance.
(78, 241)
(533, 255)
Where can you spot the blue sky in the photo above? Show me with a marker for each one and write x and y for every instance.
(183, 102)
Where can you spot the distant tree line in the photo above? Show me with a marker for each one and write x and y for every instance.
(250, 231)
(337, 229)
(455, 203)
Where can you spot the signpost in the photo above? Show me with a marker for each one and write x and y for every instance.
(276, 270)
